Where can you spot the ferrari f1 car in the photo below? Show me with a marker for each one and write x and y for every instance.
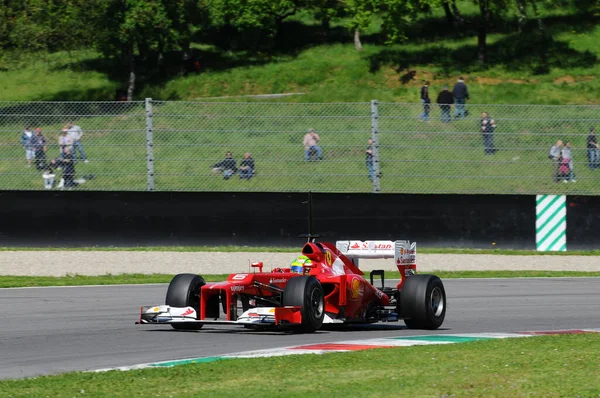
(322, 286)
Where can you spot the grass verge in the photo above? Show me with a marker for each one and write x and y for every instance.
(7, 281)
(548, 366)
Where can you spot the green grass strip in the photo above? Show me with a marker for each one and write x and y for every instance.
(545, 366)
(7, 281)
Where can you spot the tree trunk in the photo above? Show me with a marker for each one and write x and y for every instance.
(484, 23)
(540, 23)
(448, 12)
(131, 80)
(521, 14)
(357, 43)
(458, 18)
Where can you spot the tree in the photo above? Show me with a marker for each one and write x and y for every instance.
(130, 29)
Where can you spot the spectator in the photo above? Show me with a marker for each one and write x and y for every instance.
(226, 166)
(247, 167)
(27, 142)
(461, 95)
(67, 164)
(39, 148)
(65, 142)
(555, 156)
(445, 99)
(488, 125)
(48, 177)
(426, 101)
(75, 132)
(592, 150)
(311, 140)
(369, 160)
(567, 158)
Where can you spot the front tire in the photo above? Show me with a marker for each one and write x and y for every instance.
(184, 291)
(307, 293)
(423, 302)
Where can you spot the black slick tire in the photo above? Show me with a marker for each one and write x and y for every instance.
(307, 293)
(423, 302)
(184, 291)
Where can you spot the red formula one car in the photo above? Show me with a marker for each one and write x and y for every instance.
(322, 286)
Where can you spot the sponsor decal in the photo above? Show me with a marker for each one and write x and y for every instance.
(188, 312)
(328, 258)
(378, 293)
(409, 272)
(282, 280)
(373, 245)
(239, 276)
(237, 288)
(356, 289)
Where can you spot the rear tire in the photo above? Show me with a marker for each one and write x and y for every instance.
(184, 291)
(423, 302)
(307, 293)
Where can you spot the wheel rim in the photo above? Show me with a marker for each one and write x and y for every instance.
(316, 301)
(437, 301)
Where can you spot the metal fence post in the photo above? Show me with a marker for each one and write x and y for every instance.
(375, 138)
(149, 145)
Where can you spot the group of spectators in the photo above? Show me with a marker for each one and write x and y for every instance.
(69, 142)
(228, 167)
(445, 99)
(562, 158)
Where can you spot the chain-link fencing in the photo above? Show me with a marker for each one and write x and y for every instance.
(415, 148)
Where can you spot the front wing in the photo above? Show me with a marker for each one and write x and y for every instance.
(260, 316)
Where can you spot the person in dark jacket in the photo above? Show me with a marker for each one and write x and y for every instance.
(67, 163)
(488, 125)
(227, 166)
(445, 99)
(38, 142)
(426, 101)
(247, 167)
(461, 95)
(592, 150)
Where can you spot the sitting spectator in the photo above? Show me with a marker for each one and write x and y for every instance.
(247, 169)
(226, 166)
(39, 148)
(567, 157)
(311, 147)
(66, 162)
(27, 142)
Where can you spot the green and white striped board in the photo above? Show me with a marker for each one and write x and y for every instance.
(551, 223)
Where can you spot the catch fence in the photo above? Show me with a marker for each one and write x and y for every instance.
(174, 146)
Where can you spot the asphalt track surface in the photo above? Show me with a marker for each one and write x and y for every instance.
(54, 330)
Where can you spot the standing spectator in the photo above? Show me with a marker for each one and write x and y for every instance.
(247, 167)
(369, 160)
(555, 156)
(226, 166)
(592, 150)
(445, 99)
(426, 101)
(488, 125)
(75, 132)
(27, 142)
(39, 148)
(311, 140)
(461, 95)
(567, 158)
(65, 143)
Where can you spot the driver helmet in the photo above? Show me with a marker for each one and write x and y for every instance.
(297, 266)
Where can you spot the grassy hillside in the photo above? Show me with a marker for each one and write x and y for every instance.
(331, 69)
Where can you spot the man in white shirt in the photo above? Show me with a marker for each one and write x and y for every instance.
(75, 132)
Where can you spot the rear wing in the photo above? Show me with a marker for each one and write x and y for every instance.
(402, 251)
